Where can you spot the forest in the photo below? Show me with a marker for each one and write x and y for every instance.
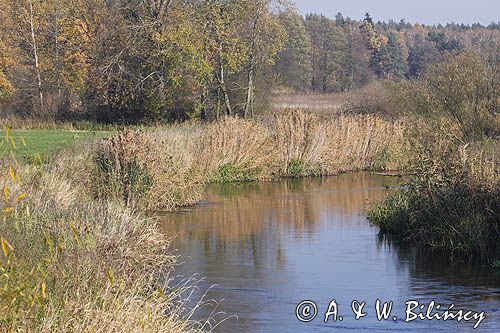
(144, 60)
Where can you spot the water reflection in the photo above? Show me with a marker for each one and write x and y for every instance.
(270, 245)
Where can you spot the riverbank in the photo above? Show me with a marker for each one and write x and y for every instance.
(452, 205)
(70, 263)
(453, 202)
(76, 254)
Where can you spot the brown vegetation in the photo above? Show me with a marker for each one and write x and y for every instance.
(71, 264)
(166, 168)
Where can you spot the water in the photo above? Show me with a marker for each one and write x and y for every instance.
(269, 246)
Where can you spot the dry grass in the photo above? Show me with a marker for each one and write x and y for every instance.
(151, 170)
(69, 263)
(300, 141)
(366, 142)
(344, 143)
(234, 145)
(452, 202)
(321, 104)
(167, 167)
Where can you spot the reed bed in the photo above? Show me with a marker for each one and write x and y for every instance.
(166, 168)
(234, 149)
(319, 103)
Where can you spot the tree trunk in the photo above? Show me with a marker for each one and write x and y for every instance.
(251, 87)
(56, 41)
(35, 56)
(250, 94)
(251, 68)
(217, 110)
(204, 101)
(222, 84)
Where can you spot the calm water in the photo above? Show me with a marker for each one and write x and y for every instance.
(269, 246)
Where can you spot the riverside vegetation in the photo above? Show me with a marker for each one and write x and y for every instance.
(453, 202)
(76, 256)
(72, 264)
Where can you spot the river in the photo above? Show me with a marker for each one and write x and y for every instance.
(263, 248)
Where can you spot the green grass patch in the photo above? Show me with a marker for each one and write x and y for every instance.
(296, 168)
(34, 145)
(229, 173)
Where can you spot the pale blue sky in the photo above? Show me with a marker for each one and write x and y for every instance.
(422, 11)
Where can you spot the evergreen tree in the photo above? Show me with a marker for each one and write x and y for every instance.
(422, 55)
(397, 67)
(294, 61)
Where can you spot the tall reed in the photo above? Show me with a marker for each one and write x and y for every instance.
(166, 168)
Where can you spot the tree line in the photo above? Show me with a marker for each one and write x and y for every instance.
(129, 61)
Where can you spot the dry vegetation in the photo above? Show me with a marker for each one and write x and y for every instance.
(75, 256)
(453, 202)
(325, 103)
(72, 264)
(166, 168)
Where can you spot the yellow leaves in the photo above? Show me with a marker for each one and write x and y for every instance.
(21, 197)
(8, 210)
(75, 234)
(44, 290)
(6, 247)
(110, 275)
(12, 174)
(6, 192)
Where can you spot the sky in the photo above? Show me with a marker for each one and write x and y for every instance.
(421, 11)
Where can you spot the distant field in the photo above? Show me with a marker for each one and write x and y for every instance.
(329, 103)
(39, 143)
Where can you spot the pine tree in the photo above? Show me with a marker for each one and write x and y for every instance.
(397, 66)
(294, 61)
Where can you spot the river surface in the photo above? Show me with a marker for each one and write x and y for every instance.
(262, 248)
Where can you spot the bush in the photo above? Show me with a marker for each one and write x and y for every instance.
(453, 204)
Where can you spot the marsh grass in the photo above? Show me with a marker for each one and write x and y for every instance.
(324, 104)
(307, 145)
(151, 170)
(234, 149)
(69, 263)
(165, 168)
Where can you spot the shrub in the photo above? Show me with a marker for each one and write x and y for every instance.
(452, 204)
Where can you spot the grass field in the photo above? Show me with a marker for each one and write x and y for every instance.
(36, 144)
